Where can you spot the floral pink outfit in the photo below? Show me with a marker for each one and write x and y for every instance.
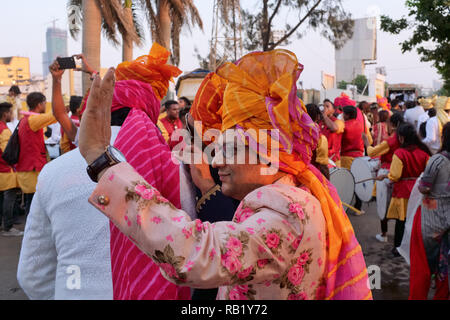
(275, 247)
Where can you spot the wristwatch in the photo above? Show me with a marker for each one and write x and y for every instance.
(111, 157)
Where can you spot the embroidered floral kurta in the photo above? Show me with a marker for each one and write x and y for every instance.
(273, 249)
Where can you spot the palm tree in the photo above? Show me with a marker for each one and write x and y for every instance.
(167, 18)
(115, 16)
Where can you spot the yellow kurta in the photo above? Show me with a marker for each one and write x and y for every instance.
(322, 151)
(346, 162)
(27, 180)
(398, 206)
(163, 130)
(64, 143)
(8, 180)
(379, 150)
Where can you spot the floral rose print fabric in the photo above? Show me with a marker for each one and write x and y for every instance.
(273, 249)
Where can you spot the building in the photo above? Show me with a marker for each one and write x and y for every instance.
(360, 50)
(56, 47)
(14, 71)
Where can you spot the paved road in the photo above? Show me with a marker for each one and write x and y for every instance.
(394, 271)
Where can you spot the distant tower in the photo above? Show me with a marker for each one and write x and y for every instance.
(56, 46)
(226, 35)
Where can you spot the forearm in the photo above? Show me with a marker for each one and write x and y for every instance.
(188, 252)
(59, 111)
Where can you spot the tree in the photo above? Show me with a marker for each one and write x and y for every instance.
(360, 82)
(342, 85)
(108, 16)
(167, 18)
(430, 22)
(328, 15)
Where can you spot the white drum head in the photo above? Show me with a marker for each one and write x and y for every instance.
(384, 192)
(343, 180)
(364, 169)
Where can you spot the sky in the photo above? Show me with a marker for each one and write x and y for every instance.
(24, 23)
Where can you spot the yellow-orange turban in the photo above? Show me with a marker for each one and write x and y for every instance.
(208, 101)
(152, 69)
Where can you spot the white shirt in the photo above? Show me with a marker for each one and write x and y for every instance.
(56, 134)
(422, 118)
(412, 115)
(65, 251)
(433, 139)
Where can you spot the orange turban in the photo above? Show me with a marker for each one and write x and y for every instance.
(152, 69)
(383, 103)
(208, 101)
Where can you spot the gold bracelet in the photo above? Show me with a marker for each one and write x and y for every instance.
(207, 196)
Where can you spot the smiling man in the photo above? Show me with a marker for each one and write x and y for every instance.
(289, 239)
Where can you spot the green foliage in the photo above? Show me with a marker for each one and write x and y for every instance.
(328, 16)
(360, 82)
(430, 22)
(342, 85)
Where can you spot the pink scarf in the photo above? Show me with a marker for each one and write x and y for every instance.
(135, 275)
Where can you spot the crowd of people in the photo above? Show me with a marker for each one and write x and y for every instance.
(217, 229)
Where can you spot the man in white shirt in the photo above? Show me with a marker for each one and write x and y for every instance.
(433, 140)
(435, 124)
(65, 251)
(412, 113)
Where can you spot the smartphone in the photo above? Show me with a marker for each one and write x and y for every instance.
(66, 63)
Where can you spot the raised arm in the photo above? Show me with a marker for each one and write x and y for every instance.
(58, 107)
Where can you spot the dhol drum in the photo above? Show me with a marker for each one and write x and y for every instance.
(364, 170)
(344, 182)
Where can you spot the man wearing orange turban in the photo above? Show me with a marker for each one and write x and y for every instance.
(289, 239)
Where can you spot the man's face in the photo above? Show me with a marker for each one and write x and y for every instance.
(11, 93)
(41, 107)
(329, 109)
(174, 111)
(8, 116)
(238, 180)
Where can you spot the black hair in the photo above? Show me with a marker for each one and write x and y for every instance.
(15, 89)
(409, 134)
(374, 106)
(188, 102)
(75, 103)
(183, 113)
(395, 103)
(351, 112)
(383, 116)
(4, 108)
(397, 119)
(410, 104)
(328, 100)
(118, 117)
(169, 103)
(432, 112)
(313, 111)
(446, 138)
(35, 98)
(361, 104)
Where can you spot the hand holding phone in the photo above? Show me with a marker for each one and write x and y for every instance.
(66, 63)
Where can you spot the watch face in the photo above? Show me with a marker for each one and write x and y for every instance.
(117, 155)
